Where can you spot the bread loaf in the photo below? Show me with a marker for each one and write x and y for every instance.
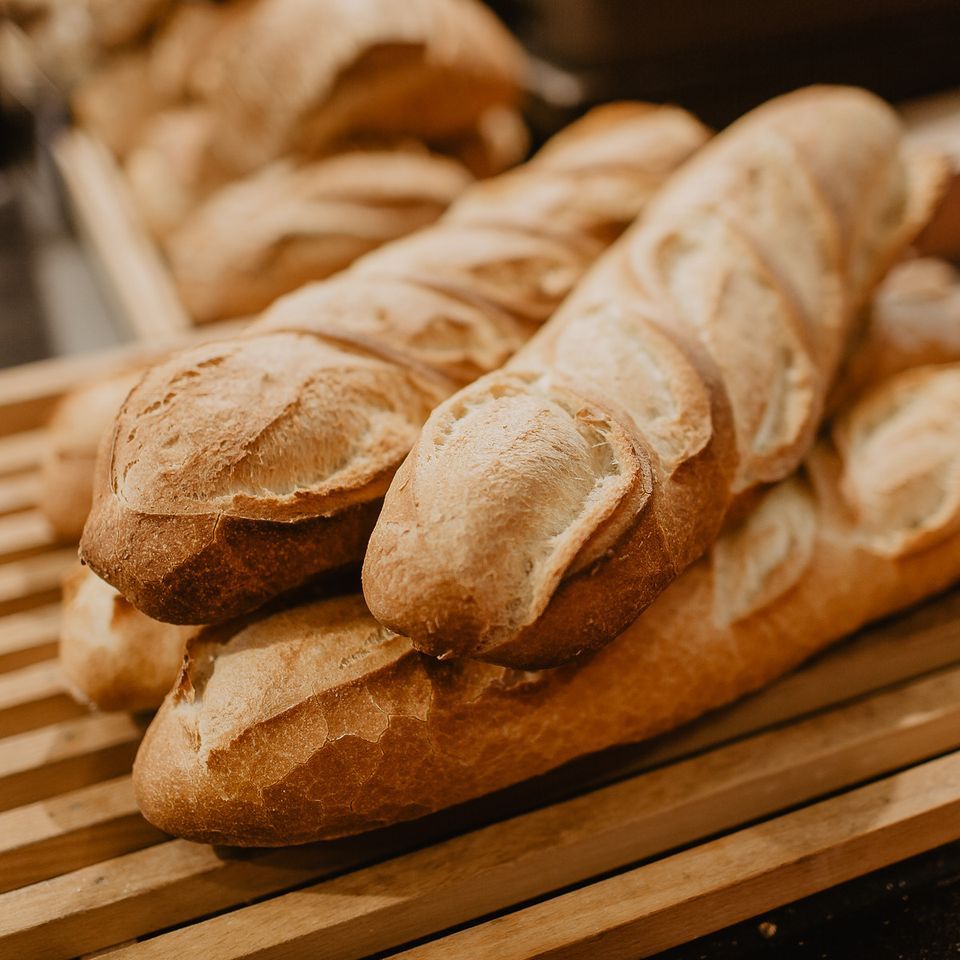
(240, 469)
(914, 320)
(319, 721)
(74, 433)
(268, 234)
(113, 656)
(424, 68)
(546, 505)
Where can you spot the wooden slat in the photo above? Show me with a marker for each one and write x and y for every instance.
(21, 452)
(65, 756)
(139, 281)
(62, 834)
(652, 908)
(30, 637)
(24, 534)
(35, 697)
(18, 492)
(501, 865)
(915, 644)
(34, 581)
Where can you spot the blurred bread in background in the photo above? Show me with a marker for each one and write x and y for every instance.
(112, 655)
(268, 234)
(235, 124)
(75, 430)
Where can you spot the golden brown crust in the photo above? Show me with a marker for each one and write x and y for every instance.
(319, 722)
(711, 333)
(263, 458)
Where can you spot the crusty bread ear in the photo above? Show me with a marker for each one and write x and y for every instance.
(705, 344)
(319, 722)
(240, 469)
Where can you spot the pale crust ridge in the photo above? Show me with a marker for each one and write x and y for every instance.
(710, 335)
(320, 722)
(240, 469)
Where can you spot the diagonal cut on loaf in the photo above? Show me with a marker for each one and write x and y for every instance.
(120, 659)
(319, 722)
(546, 505)
(239, 469)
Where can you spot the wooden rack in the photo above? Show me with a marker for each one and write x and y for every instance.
(620, 855)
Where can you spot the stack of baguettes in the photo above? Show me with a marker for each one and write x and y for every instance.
(654, 477)
(268, 143)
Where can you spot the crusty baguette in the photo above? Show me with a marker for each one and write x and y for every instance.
(238, 470)
(74, 433)
(426, 68)
(546, 505)
(914, 320)
(113, 656)
(319, 722)
(260, 237)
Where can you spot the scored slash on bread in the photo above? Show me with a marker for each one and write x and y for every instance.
(240, 469)
(544, 507)
(914, 320)
(319, 722)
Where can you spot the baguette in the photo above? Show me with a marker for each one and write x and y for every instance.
(320, 722)
(114, 657)
(914, 320)
(261, 237)
(423, 68)
(75, 431)
(545, 506)
(239, 470)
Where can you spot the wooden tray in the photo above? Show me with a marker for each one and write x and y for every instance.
(845, 766)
